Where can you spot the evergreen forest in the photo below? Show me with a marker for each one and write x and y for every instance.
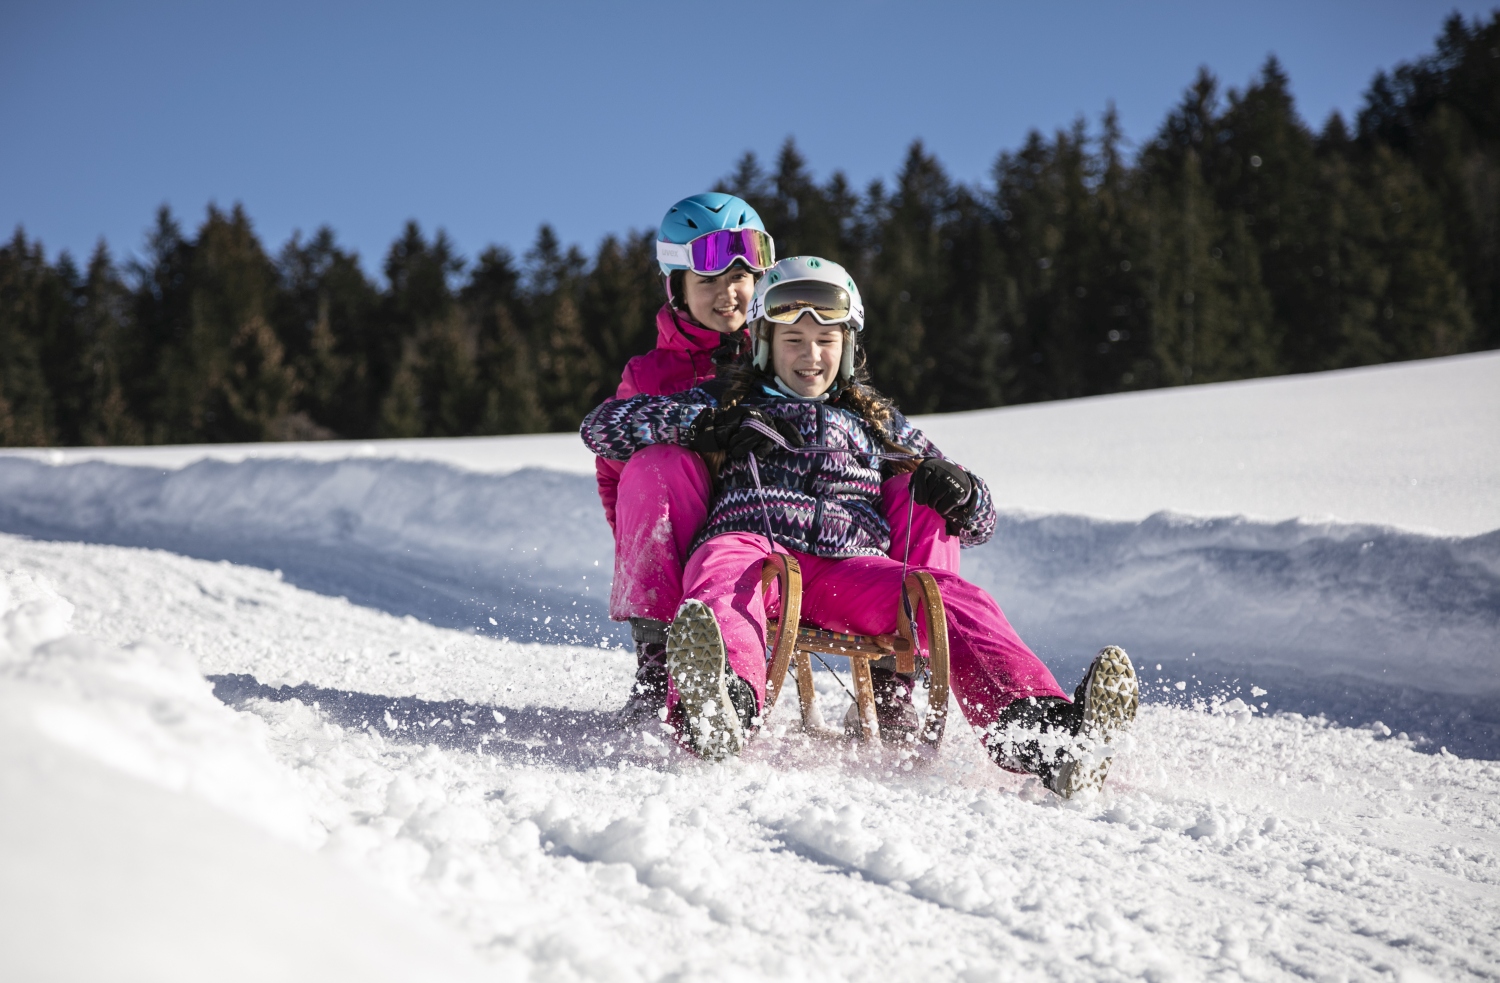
(1237, 242)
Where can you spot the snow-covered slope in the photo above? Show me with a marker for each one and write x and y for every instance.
(350, 708)
(480, 782)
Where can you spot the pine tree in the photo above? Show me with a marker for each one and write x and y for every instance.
(235, 384)
(30, 297)
(420, 347)
(325, 312)
(1442, 112)
(908, 280)
(509, 401)
(104, 316)
(618, 301)
(1210, 315)
(568, 368)
(1062, 221)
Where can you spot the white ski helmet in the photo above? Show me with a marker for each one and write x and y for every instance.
(801, 285)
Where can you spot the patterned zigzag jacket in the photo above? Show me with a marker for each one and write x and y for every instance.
(824, 504)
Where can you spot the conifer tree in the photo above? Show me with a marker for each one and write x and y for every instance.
(1210, 314)
(1442, 112)
(908, 279)
(414, 346)
(103, 311)
(30, 298)
(509, 401)
(568, 368)
(618, 303)
(325, 315)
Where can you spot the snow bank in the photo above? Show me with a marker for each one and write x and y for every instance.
(529, 549)
(1355, 621)
(147, 832)
(1412, 444)
(487, 455)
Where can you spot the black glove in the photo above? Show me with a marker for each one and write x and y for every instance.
(944, 487)
(724, 430)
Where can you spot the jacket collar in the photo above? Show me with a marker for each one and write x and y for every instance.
(678, 333)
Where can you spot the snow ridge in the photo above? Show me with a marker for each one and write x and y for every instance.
(1359, 622)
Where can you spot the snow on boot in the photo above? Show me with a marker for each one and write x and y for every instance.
(893, 708)
(1108, 698)
(1065, 744)
(711, 723)
(648, 694)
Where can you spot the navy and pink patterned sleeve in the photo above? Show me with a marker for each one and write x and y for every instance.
(618, 428)
(977, 529)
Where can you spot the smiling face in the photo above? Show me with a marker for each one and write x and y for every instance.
(806, 355)
(721, 302)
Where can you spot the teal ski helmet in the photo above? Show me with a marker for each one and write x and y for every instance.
(698, 215)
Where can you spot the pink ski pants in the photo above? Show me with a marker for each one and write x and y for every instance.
(989, 664)
(663, 501)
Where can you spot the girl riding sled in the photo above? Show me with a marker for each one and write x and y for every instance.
(710, 248)
(809, 454)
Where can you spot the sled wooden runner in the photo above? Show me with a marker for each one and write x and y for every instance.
(792, 644)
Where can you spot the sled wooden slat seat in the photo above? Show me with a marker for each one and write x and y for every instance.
(791, 644)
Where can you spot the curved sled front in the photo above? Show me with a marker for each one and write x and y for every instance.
(789, 642)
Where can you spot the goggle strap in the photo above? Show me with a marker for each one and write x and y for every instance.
(674, 254)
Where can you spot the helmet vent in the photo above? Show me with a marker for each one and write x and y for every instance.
(742, 218)
(691, 222)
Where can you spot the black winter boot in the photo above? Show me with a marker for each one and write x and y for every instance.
(648, 695)
(1065, 744)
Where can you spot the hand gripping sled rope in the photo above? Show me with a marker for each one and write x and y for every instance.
(790, 643)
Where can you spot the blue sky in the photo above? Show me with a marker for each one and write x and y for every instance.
(489, 119)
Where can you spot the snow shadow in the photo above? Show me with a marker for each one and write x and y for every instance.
(549, 736)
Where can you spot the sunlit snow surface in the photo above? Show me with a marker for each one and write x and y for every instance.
(342, 770)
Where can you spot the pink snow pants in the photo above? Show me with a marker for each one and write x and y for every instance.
(663, 501)
(990, 665)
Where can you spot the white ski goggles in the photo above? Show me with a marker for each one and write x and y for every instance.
(828, 303)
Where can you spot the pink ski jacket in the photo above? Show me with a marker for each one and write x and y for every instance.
(682, 358)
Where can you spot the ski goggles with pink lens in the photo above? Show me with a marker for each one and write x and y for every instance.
(715, 252)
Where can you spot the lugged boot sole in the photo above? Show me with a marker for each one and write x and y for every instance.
(1111, 696)
(695, 659)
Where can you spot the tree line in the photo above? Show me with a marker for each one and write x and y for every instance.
(1238, 242)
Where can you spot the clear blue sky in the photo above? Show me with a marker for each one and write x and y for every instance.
(489, 119)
